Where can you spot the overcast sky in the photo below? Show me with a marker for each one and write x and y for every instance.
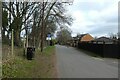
(97, 17)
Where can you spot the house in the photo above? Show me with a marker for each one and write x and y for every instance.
(104, 40)
(81, 38)
(75, 41)
(85, 38)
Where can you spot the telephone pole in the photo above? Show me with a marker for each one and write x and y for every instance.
(12, 42)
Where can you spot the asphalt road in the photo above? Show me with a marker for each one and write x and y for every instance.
(73, 63)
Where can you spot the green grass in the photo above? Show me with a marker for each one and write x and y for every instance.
(42, 66)
(49, 50)
(17, 67)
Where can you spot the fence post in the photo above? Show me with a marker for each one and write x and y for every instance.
(24, 49)
(12, 42)
(26, 44)
(103, 49)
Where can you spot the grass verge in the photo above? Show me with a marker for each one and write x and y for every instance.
(42, 66)
(49, 50)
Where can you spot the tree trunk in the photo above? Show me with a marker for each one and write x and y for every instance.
(17, 38)
(42, 30)
(3, 33)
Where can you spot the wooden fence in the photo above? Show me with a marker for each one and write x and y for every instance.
(104, 50)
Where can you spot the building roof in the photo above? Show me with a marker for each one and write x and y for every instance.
(82, 35)
(79, 37)
(103, 39)
(75, 38)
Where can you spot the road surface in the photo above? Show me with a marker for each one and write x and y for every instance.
(73, 63)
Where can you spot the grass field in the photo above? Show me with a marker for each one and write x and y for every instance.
(42, 66)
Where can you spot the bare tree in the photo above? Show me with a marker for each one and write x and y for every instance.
(44, 18)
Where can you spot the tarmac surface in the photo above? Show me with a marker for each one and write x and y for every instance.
(73, 63)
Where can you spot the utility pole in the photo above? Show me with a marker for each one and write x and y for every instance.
(12, 42)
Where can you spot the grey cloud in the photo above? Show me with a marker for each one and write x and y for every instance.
(102, 25)
(88, 6)
(104, 29)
